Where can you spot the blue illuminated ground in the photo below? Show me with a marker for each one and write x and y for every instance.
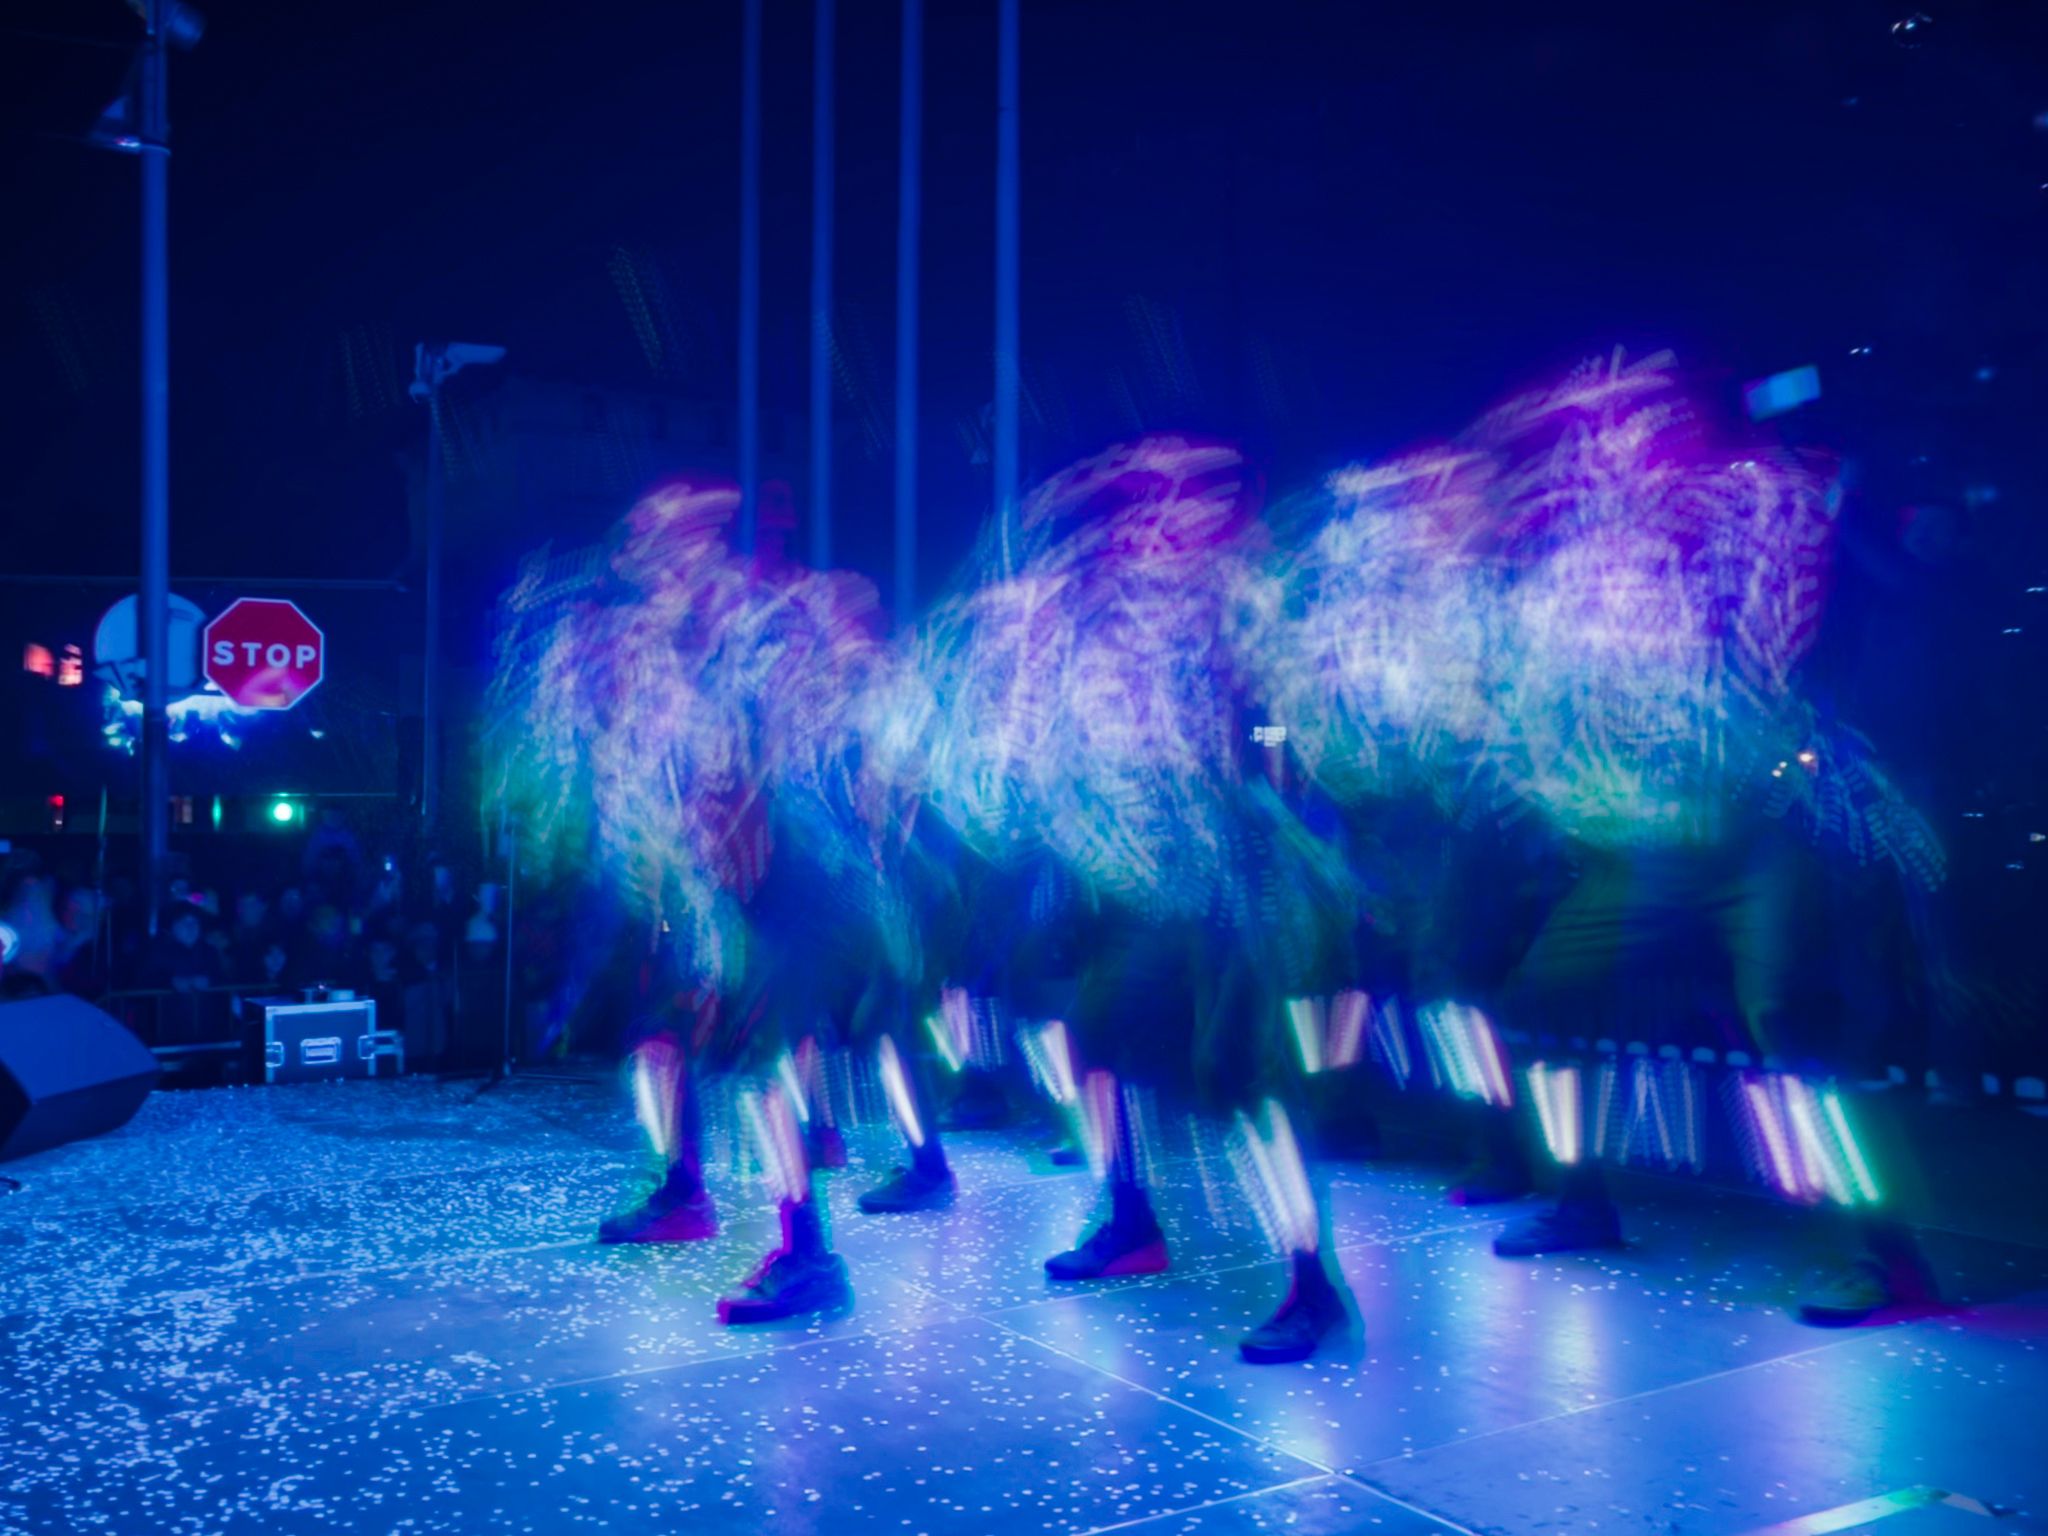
(376, 1308)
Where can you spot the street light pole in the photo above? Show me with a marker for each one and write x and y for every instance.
(430, 659)
(750, 274)
(154, 148)
(909, 217)
(822, 193)
(1004, 456)
(434, 363)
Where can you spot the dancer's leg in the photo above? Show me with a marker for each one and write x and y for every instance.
(1279, 1183)
(1129, 1241)
(1800, 1125)
(926, 1182)
(665, 1100)
(823, 1141)
(1604, 927)
(803, 1275)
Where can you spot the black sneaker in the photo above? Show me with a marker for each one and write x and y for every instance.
(1114, 1248)
(1866, 1288)
(1576, 1227)
(788, 1284)
(667, 1216)
(910, 1189)
(1312, 1311)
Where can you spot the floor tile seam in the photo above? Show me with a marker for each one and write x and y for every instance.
(1207, 1504)
(1235, 1266)
(1578, 1410)
(1158, 1396)
(422, 1261)
(1408, 1504)
(724, 1355)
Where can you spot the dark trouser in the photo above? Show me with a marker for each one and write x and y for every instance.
(1632, 948)
(1641, 949)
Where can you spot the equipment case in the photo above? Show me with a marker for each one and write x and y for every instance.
(306, 1042)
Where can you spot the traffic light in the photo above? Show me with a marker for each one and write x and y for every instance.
(284, 812)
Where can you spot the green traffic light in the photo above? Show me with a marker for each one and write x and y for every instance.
(283, 811)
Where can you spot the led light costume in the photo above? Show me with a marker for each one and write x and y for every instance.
(678, 709)
(1656, 592)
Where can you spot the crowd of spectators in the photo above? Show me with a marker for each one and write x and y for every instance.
(249, 923)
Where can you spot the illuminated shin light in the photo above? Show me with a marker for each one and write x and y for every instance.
(1603, 1108)
(778, 1141)
(1556, 1092)
(1466, 1054)
(1858, 1165)
(1101, 1111)
(1051, 1061)
(1450, 1058)
(1329, 1035)
(1646, 1115)
(1818, 1170)
(902, 1102)
(1689, 1117)
(1767, 1128)
(1647, 1111)
(1803, 1142)
(1390, 1041)
(985, 1030)
(1348, 1014)
(1305, 1018)
(815, 1079)
(791, 1078)
(657, 1068)
(1493, 1061)
(952, 1028)
(1275, 1179)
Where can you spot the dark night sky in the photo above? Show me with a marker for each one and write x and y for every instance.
(1390, 214)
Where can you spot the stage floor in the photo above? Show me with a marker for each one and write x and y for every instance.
(378, 1308)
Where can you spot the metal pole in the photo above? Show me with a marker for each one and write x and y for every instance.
(822, 190)
(430, 672)
(156, 460)
(1004, 455)
(102, 925)
(908, 218)
(750, 274)
(511, 898)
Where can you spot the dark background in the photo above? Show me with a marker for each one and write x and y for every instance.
(1320, 229)
(1325, 228)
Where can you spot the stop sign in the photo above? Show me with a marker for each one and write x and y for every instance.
(264, 654)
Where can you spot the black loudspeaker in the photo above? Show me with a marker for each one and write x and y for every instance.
(66, 1071)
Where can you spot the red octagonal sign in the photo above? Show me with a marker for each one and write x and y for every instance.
(264, 654)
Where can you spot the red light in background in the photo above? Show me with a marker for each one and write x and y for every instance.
(37, 659)
(56, 813)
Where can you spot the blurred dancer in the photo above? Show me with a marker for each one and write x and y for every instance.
(1657, 594)
(677, 1021)
(670, 705)
(1290, 1000)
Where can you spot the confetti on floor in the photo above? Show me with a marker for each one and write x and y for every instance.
(379, 1308)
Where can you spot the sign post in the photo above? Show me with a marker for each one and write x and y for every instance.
(264, 653)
